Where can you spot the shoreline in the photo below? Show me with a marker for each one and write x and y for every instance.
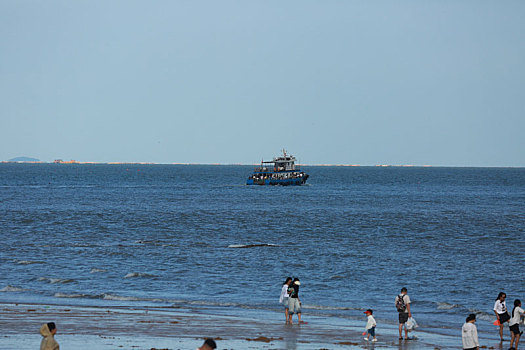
(182, 328)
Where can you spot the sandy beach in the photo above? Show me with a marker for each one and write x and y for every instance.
(176, 328)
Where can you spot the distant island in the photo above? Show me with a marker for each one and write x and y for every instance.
(24, 159)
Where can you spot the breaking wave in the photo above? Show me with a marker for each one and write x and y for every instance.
(95, 270)
(144, 241)
(321, 307)
(482, 315)
(139, 274)
(56, 280)
(9, 288)
(252, 245)
(447, 306)
(29, 262)
(336, 277)
(64, 295)
(204, 303)
(106, 296)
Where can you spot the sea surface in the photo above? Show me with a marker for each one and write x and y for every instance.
(172, 235)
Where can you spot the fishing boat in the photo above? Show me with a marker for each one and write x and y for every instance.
(279, 171)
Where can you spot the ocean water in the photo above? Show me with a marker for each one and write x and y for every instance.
(196, 235)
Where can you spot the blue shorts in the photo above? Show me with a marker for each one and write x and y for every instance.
(372, 331)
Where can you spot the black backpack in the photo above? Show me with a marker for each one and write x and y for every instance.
(400, 303)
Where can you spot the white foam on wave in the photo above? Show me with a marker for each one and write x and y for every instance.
(481, 315)
(64, 295)
(118, 297)
(56, 280)
(252, 245)
(447, 306)
(95, 270)
(29, 262)
(138, 274)
(323, 307)
(211, 303)
(9, 288)
(83, 245)
(107, 296)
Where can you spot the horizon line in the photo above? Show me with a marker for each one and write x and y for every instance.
(74, 162)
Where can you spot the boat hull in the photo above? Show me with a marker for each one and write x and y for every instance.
(278, 182)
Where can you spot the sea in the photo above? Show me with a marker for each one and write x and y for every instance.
(172, 235)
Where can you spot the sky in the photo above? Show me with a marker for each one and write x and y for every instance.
(333, 82)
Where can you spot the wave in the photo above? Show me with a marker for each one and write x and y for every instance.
(29, 262)
(9, 288)
(157, 242)
(482, 315)
(447, 306)
(84, 245)
(119, 297)
(139, 274)
(106, 296)
(336, 277)
(143, 241)
(462, 309)
(252, 245)
(321, 307)
(245, 306)
(64, 295)
(56, 280)
(179, 302)
(211, 303)
(95, 270)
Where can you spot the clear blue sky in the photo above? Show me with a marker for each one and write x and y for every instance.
(346, 82)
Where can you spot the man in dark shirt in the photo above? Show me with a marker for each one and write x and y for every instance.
(294, 303)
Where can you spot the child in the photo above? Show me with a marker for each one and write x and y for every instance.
(370, 325)
(48, 331)
(514, 322)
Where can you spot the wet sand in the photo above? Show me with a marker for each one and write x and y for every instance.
(172, 328)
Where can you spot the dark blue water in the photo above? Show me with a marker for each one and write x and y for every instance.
(175, 235)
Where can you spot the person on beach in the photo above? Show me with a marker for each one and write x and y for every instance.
(514, 324)
(402, 302)
(500, 309)
(469, 334)
(370, 325)
(294, 303)
(209, 344)
(48, 331)
(283, 299)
